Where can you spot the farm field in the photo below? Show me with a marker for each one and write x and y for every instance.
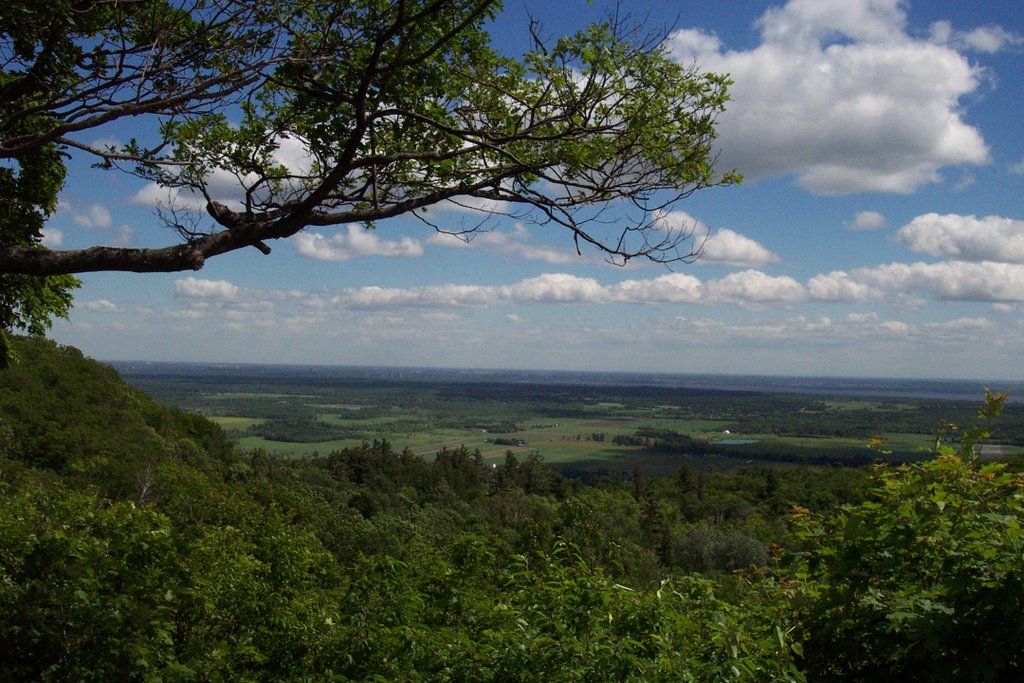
(583, 428)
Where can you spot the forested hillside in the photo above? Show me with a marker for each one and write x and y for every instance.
(137, 544)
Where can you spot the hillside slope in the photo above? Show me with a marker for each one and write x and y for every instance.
(64, 412)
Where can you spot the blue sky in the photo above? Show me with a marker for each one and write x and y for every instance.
(879, 230)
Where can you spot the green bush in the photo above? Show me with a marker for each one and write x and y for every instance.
(925, 580)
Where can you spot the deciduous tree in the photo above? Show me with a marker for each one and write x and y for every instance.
(385, 108)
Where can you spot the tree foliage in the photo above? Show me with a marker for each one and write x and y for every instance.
(140, 546)
(923, 580)
(394, 107)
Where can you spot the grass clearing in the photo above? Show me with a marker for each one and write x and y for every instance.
(232, 423)
(837, 406)
(563, 423)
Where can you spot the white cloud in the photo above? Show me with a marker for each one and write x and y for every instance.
(679, 222)
(723, 246)
(965, 183)
(152, 195)
(1004, 308)
(896, 327)
(555, 288)
(474, 205)
(514, 244)
(124, 235)
(752, 288)
(731, 248)
(52, 237)
(966, 238)
(98, 305)
(354, 241)
(988, 39)
(839, 287)
(196, 288)
(957, 332)
(862, 318)
(95, 216)
(840, 95)
(671, 288)
(695, 42)
(991, 39)
(398, 297)
(105, 143)
(868, 220)
(903, 284)
(950, 281)
(812, 21)
(749, 289)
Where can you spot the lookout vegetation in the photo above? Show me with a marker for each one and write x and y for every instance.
(137, 544)
(260, 118)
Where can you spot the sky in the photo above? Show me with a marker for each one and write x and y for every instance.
(878, 232)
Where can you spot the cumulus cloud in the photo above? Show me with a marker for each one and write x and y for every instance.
(474, 205)
(555, 288)
(808, 22)
(153, 195)
(988, 39)
(838, 93)
(98, 305)
(752, 288)
(517, 243)
(372, 297)
(997, 283)
(868, 220)
(731, 248)
(966, 238)
(670, 288)
(723, 246)
(908, 285)
(354, 241)
(840, 287)
(196, 288)
(749, 288)
(950, 281)
(95, 216)
(52, 237)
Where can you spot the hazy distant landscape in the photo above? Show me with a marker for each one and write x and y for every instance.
(583, 423)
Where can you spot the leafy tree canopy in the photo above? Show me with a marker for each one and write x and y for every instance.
(393, 107)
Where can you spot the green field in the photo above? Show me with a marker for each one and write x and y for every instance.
(233, 424)
(578, 428)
